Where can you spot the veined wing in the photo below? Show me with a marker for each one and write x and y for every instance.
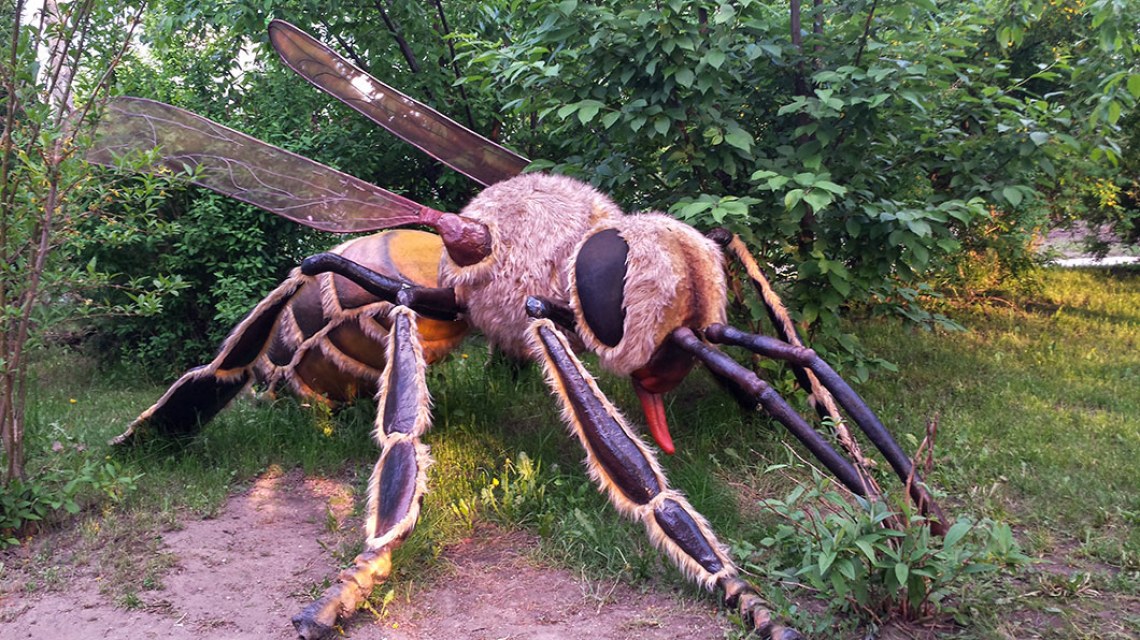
(412, 121)
(245, 168)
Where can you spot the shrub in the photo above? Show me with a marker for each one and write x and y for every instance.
(838, 548)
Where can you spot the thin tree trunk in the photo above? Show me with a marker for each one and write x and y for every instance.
(14, 453)
(444, 32)
(800, 84)
(394, 29)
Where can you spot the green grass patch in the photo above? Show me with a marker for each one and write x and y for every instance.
(1039, 427)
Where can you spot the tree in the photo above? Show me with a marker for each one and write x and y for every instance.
(56, 64)
(864, 153)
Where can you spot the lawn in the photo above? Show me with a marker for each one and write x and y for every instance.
(1038, 414)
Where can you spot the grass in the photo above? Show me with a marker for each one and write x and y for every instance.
(1039, 419)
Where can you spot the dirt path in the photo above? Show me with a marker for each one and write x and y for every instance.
(244, 573)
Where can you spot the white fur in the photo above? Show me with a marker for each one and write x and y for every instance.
(535, 221)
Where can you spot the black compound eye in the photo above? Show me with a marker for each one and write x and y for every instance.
(599, 272)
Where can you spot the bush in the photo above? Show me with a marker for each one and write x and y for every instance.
(64, 484)
(839, 549)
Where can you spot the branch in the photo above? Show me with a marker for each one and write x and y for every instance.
(866, 32)
(405, 48)
(445, 31)
(349, 50)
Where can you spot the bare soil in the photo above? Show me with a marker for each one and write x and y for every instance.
(244, 573)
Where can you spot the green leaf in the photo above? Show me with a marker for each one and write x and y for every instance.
(831, 187)
(839, 282)
(716, 57)
(587, 109)
(920, 228)
(1134, 85)
(839, 584)
(901, 572)
(1114, 111)
(610, 118)
(684, 77)
(792, 106)
(739, 138)
(866, 548)
(1012, 195)
(793, 197)
(817, 199)
(661, 124)
(825, 560)
(805, 179)
(957, 530)
(1039, 137)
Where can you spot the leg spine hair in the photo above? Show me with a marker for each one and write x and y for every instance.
(398, 482)
(819, 397)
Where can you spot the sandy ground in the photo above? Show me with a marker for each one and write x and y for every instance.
(244, 573)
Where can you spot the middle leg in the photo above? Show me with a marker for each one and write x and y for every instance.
(398, 482)
(622, 465)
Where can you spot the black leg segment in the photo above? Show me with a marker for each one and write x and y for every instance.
(676, 522)
(613, 447)
(437, 304)
(728, 369)
(847, 398)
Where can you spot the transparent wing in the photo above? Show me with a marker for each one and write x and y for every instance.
(245, 168)
(414, 122)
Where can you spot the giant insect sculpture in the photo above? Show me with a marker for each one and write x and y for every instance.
(544, 266)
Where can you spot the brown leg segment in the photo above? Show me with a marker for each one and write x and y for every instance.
(625, 469)
(398, 482)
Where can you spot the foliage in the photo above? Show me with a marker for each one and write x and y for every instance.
(884, 148)
(60, 488)
(839, 549)
(516, 493)
(863, 156)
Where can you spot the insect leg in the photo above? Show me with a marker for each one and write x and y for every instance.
(429, 302)
(398, 482)
(622, 465)
(851, 402)
(196, 397)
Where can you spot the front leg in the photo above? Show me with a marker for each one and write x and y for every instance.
(622, 466)
(398, 482)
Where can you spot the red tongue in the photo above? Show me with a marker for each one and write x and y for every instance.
(654, 408)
